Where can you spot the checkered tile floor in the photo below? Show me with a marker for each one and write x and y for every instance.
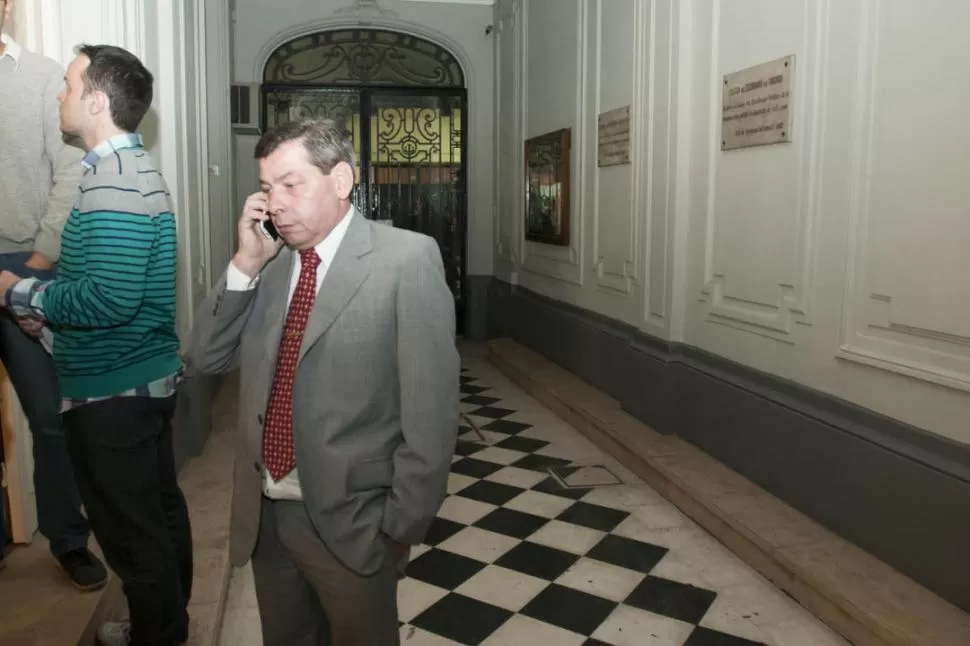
(514, 557)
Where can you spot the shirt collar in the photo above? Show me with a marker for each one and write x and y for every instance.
(13, 49)
(327, 248)
(118, 142)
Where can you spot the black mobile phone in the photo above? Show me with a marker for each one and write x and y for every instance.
(269, 230)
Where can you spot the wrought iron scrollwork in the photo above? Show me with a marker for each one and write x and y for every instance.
(286, 104)
(364, 57)
(409, 135)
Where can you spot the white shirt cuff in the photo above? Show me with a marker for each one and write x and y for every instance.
(237, 281)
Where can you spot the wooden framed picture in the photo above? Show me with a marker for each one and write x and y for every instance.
(547, 188)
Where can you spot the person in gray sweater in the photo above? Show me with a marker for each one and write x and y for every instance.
(39, 179)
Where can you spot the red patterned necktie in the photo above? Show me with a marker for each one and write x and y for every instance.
(279, 456)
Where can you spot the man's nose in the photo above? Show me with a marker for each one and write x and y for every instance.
(273, 204)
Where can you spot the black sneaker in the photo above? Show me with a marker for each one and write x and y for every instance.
(85, 570)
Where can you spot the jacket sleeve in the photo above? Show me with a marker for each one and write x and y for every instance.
(428, 368)
(219, 325)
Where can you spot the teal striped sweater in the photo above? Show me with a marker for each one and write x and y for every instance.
(112, 305)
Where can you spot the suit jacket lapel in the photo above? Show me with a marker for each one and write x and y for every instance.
(344, 276)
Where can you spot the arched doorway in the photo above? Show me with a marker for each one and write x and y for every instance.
(405, 97)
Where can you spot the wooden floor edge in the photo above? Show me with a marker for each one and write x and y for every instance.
(111, 604)
(111, 607)
(111, 597)
(845, 619)
(223, 602)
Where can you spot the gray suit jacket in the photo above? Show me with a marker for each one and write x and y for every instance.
(375, 398)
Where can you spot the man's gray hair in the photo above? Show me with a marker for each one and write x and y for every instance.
(326, 143)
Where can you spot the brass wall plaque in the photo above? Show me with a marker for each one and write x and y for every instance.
(614, 137)
(756, 105)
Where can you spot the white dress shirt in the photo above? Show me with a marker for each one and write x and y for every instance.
(288, 488)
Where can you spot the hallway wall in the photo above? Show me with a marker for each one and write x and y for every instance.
(260, 27)
(221, 161)
(799, 311)
(837, 261)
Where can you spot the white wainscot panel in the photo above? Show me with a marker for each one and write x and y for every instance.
(617, 31)
(907, 301)
(508, 134)
(656, 163)
(552, 98)
(761, 215)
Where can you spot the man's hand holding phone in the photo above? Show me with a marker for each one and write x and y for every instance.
(256, 245)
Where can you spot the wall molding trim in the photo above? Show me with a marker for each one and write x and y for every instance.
(863, 475)
(620, 274)
(777, 315)
(869, 334)
(564, 264)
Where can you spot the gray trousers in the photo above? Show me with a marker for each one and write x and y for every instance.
(305, 594)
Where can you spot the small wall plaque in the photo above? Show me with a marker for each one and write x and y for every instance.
(614, 137)
(756, 105)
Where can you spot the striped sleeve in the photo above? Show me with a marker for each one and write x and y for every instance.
(113, 238)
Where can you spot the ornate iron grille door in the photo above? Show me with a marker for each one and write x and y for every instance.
(416, 174)
(411, 158)
(403, 100)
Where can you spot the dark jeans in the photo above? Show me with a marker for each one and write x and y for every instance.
(32, 374)
(122, 454)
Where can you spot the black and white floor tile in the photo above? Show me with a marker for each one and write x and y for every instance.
(516, 558)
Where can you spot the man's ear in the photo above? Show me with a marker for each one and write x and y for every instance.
(342, 176)
(99, 103)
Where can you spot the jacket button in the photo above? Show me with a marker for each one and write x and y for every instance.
(259, 419)
(256, 467)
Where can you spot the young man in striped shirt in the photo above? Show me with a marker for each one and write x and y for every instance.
(39, 177)
(112, 311)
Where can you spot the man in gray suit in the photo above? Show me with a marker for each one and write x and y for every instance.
(349, 394)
